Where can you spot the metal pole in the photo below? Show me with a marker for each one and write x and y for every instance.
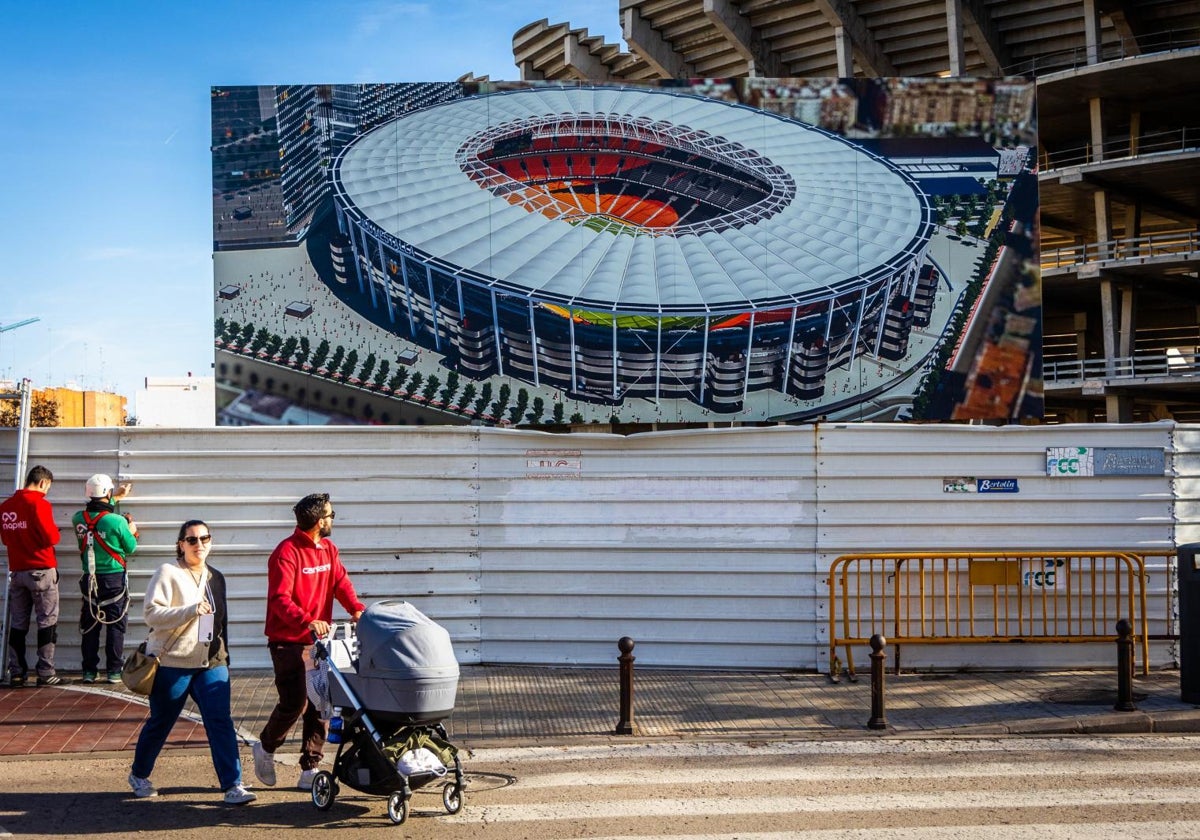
(625, 724)
(24, 393)
(1125, 667)
(878, 716)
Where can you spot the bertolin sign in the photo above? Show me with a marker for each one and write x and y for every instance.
(980, 485)
(1076, 461)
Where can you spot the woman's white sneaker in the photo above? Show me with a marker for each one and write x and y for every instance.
(142, 788)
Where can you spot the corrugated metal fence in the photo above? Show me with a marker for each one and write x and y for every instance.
(709, 547)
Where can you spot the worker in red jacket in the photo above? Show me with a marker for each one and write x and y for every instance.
(28, 531)
(304, 576)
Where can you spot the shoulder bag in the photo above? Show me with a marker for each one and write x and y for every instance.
(141, 667)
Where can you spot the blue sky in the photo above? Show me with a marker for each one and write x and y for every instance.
(107, 228)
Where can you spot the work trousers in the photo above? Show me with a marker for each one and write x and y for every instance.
(111, 617)
(291, 683)
(35, 592)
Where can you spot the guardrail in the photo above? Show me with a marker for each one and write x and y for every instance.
(1174, 363)
(1121, 148)
(983, 597)
(1183, 244)
(1124, 47)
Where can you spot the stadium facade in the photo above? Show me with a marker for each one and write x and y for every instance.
(629, 241)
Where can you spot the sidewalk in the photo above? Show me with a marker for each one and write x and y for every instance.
(559, 706)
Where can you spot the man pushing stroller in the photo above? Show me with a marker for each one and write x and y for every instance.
(304, 576)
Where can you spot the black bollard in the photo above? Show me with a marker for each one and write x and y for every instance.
(1124, 667)
(878, 717)
(625, 724)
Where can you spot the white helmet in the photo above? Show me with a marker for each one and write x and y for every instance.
(99, 486)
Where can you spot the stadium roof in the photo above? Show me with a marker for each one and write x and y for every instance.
(851, 217)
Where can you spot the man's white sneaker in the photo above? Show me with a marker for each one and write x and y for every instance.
(142, 788)
(306, 779)
(238, 795)
(264, 764)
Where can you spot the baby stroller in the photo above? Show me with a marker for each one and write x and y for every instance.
(385, 708)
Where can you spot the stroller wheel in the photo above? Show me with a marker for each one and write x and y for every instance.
(452, 797)
(324, 789)
(397, 807)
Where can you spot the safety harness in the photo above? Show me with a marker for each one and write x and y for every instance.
(91, 540)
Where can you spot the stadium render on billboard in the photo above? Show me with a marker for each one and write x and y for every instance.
(716, 250)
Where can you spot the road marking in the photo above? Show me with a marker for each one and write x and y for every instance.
(725, 806)
(1040, 831)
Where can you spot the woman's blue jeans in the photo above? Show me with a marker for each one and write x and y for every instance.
(209, 687)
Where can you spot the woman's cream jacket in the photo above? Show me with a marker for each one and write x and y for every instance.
(171, 599)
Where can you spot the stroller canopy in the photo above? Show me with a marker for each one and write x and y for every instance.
(396, 640)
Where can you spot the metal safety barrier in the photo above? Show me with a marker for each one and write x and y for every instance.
(976, 597)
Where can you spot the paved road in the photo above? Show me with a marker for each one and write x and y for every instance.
(867, 789)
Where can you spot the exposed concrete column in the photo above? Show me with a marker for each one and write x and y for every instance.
(1135, 131)
(1103, 225)
(954, 37)
(1091, 31)
(1118, 408)
(1108, 323)
(1125, 342)
(1081, 335)
(1096, 130)
(844, 48)
(1133, 228)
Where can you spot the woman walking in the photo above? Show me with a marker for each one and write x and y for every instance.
(186, 612)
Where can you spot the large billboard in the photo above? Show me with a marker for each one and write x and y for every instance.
(749, 250)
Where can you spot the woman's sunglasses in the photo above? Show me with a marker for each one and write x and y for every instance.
(198, 540)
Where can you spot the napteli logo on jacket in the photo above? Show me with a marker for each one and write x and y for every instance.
(11, 522)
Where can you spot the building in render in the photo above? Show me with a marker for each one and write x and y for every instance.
(269, 154)
(1119, 166)
(628, 241)
(357, 108)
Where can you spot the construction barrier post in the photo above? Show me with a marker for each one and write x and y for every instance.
(625, 724)
(878, 718)
(1124, 667)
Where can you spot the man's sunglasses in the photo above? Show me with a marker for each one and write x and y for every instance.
(198, 540)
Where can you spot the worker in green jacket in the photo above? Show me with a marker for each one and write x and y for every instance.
(106, 540)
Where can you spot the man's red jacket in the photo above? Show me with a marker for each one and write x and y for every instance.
(27, 528)
(303, 578)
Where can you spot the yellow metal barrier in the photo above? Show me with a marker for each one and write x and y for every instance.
(968, 597)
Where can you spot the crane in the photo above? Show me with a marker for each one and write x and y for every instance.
(6, 327)
(26, 322)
